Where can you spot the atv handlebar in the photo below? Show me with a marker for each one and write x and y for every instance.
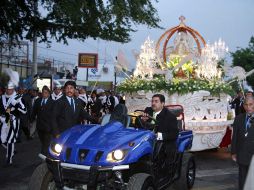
(147, 115)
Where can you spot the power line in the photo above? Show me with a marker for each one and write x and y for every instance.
(76, 55)
(58, 51)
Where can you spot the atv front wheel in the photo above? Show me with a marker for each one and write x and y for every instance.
(188, 173)
(42, 179)
(141, 181)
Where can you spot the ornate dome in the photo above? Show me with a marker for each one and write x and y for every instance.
(183, 44)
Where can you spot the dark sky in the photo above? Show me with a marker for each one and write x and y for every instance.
(231, 20)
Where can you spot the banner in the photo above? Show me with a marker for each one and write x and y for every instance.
(88, 60)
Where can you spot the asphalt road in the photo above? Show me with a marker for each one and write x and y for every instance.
(215, 170)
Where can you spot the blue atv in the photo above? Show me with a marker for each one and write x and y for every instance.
(114, 155)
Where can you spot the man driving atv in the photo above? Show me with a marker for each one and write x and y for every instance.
(164, 125)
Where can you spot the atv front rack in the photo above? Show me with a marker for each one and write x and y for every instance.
(90, 175)
(84, 167)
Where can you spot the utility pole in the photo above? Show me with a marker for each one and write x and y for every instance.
(115, 81)
(34, 70)
(27, 61)
(87, 74)
(34, 55)
(116, 62)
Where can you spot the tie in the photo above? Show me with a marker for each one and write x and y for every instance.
(248, 121)
(154, 116)
(43, 102)
(72, 105)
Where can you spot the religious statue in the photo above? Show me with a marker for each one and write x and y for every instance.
(181, 44)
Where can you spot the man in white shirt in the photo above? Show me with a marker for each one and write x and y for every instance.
(164, 124)
(68, 111)
(42, 114)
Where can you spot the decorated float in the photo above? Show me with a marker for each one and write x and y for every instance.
(190, 73)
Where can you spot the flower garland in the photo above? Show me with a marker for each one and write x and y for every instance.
(175, 86)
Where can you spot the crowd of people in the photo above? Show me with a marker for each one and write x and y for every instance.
(25, 112)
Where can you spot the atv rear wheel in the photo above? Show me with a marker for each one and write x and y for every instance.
(141, 181)
(42, 179)
(188, 173)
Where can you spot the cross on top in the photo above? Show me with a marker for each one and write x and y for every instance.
(182, 18)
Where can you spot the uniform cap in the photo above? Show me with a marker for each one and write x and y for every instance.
(10, 85)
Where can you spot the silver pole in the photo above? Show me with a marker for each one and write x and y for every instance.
(34, 56)
(34, 70)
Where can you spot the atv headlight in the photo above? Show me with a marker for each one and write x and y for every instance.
(116, 156)
(56, 148)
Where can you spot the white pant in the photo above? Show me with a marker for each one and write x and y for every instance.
(10, 153)
(9, 133)
(8, 136)
(4, 130)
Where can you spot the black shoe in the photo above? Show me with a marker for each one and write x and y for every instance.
(29, 138)
(7, 165)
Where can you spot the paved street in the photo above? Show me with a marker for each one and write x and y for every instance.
(215, 170)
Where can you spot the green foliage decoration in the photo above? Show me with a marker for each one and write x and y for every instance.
(175, 86)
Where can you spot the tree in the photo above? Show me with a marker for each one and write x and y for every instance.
(244, 57)
(74, 19)
(4, 78)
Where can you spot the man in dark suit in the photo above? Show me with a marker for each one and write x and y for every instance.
(243, 139)
(95, 106)
(110, 102)
(25, 118)
(165, 126)
(42, 112)
(68, 110)
(238, 103)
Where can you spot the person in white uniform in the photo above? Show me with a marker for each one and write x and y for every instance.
(83, 97)
(57, 93)
(11, 107)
